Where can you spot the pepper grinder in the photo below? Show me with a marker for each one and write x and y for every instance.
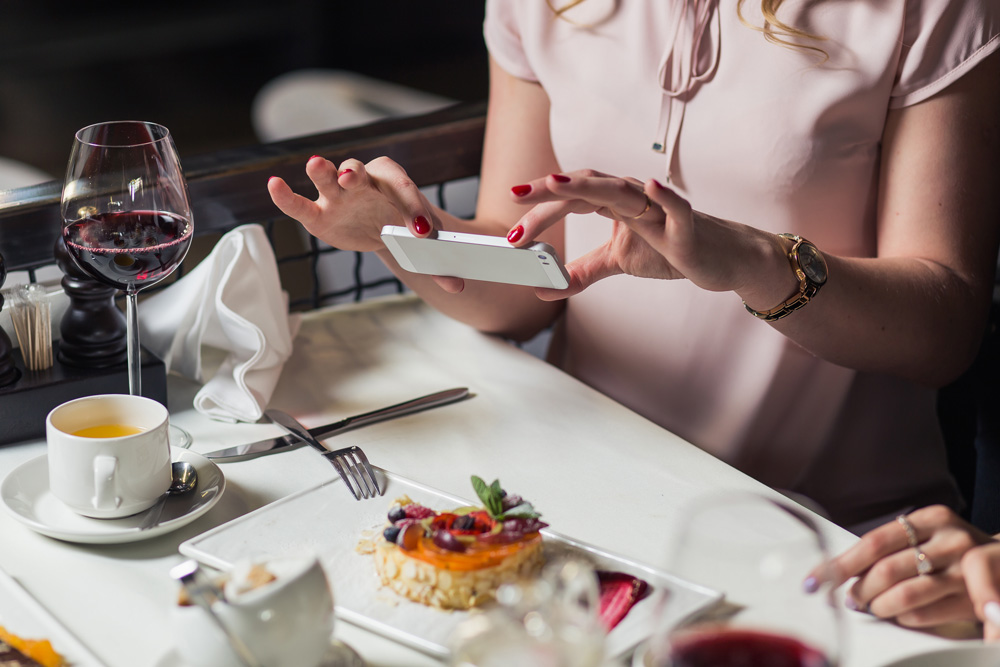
(92, 330)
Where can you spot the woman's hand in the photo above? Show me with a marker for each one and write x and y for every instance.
(355, 202)
(886, 565)
(655, 233)
(981, 569)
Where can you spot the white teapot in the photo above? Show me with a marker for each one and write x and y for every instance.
(286, 621)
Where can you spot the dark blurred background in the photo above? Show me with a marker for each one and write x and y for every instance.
(196, 65)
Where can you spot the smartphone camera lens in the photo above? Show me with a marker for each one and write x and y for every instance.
(541, 257)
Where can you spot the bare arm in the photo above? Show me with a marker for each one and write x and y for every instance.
(919, 309)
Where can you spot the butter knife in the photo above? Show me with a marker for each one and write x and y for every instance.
(287, 442)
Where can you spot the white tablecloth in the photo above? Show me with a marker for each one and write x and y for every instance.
(600, 473)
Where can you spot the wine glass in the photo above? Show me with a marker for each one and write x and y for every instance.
(126, 216)
(760, 552)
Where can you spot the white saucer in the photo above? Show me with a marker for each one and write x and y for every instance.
(25, 494)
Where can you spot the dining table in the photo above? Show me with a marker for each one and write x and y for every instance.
(599, 472)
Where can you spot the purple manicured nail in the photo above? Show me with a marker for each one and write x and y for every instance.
(850, 603)
(810, 585)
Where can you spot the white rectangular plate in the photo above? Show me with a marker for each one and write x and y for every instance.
(22, 615)
(329, 522)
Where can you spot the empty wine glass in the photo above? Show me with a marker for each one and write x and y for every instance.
(759, 552)
(126, 215)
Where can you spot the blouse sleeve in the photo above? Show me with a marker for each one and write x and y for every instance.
(503, 38)
(943, 39)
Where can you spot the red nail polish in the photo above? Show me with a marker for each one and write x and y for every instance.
(312, 158)
(346, 171)
(515, 234)
(559, 178)
(521, 190)
(420, 225)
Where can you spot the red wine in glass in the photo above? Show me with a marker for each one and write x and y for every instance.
(129, 250)
(744, 648)
(126, 214)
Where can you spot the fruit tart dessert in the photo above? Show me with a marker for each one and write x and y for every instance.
(457, 559)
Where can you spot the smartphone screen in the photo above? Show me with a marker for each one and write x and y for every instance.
(476, 257)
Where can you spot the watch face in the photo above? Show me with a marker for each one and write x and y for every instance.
(812, 263)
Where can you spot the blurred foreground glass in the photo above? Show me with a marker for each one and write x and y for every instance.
(759, 552)
(126, 215)
(550, 621)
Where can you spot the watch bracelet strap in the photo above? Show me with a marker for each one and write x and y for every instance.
(794, 302)
(785, 309)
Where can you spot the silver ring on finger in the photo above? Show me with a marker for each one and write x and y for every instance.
(924, 564)
(641, 213)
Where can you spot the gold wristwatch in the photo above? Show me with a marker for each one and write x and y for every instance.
(810, 269)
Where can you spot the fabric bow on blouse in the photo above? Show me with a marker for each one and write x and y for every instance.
(690, 57)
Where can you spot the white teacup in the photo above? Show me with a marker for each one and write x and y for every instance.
(108, 455)
(286, 622)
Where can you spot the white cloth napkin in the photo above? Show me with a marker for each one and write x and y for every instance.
(232, 301)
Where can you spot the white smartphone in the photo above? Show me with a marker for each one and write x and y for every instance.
(476, 257)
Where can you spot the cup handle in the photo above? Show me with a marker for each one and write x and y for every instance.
(104, 483)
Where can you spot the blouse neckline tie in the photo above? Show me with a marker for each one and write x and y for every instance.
(683, 66)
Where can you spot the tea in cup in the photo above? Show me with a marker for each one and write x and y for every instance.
(108, 455)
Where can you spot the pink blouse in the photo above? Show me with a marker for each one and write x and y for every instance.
(769, 136)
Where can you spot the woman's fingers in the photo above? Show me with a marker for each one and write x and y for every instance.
(537, 220)
(393, 182)
(323, 174)
(949, 609)
(981, 569)
(920, 597)
(872, 547)
(292, 204)
(583, 272)
(583, 191)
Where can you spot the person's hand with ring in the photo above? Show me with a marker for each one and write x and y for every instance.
(655, 233)
(912, 569)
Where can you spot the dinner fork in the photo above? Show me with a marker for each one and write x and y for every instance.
(350, 462)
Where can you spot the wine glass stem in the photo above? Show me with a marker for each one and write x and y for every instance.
(132, 330)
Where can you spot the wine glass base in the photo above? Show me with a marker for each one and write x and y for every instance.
(342, 655)
(179, 437)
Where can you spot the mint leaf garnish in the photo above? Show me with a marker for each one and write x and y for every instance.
(492, 496)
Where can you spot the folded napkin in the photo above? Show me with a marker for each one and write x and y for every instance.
(231, 301)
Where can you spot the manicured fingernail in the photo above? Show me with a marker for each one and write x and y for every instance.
(657, 183)
(559, 178)
(271, 178)
(521, 190)
(314, 157)
(991, 610)
(515, 234)
(851, 604)
(420, 225)
(345, 171)
(810, 585)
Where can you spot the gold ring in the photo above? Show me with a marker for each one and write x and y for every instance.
(911, 535)
(641, 213)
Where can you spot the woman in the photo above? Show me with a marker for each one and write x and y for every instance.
(870, 131)
(923, 570)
